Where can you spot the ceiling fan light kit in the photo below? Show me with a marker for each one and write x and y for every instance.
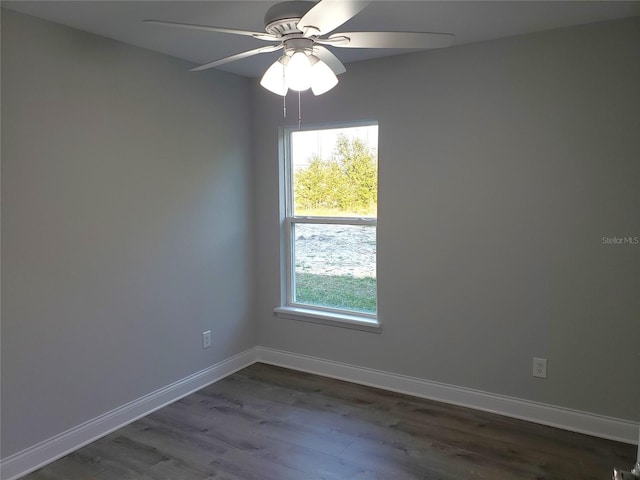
(298, 27)
(299, 69)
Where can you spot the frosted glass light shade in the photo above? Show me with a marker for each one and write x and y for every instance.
(298, 72)
(274, 79)
(323, 78)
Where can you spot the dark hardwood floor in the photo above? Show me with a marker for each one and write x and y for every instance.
(266, 422)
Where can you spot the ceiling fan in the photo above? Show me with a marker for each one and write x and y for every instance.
(300, 29)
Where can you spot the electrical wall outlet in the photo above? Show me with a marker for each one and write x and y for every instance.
(540, 367)
(206, 339)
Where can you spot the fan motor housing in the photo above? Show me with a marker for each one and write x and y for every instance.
(282, 18)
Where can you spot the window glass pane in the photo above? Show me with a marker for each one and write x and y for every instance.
(335, 266)
(335, 172)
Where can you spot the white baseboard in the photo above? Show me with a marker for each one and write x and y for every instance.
(559, 417)
(34, 457)
(45, 452)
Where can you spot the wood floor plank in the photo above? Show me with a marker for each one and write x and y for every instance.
(271, 423)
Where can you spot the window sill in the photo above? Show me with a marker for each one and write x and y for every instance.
(342, 320)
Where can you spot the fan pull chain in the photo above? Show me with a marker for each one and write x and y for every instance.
(284, 97)
(299, 112)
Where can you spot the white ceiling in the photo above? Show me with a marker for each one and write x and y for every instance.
(470, 21)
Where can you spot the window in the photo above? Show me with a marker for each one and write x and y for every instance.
(330, 196)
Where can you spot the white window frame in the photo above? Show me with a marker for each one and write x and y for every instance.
(304, 312)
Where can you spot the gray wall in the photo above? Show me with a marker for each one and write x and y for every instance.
(502, 164)
(126, 225)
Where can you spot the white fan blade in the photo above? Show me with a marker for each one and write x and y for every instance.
(392, 40)
(237, 56)
(208, 28)
(329, 58)
(327, 15)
